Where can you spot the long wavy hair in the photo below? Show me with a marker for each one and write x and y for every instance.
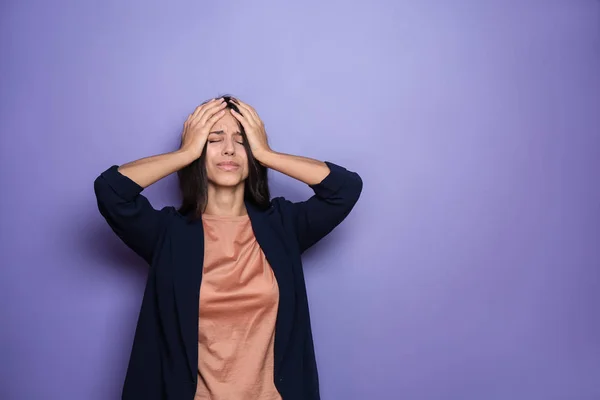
(193, 179)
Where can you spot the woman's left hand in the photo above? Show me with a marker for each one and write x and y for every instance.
(254, 127)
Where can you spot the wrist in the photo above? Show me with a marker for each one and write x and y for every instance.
(262, 156)
(187, 156)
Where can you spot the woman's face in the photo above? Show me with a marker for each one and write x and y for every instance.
(226, 158)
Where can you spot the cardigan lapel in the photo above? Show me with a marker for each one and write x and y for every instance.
(188, 264)
(270, 239)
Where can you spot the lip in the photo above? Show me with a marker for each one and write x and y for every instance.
(228, 166)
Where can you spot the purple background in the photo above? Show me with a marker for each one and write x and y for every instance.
(468, 270)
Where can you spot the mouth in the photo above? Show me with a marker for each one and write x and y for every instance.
(228, 166)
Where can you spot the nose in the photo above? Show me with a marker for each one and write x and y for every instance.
(228, 147)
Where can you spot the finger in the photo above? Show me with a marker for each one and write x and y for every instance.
(200, 107)
(214, 118)
(240, 117)
(209, 106)
(203, 107)
(207, 113)
(245, 106)
(250, 112)
(187, 123)
(243, 111)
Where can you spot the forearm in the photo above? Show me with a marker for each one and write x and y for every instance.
(307, 170)
(148, 170)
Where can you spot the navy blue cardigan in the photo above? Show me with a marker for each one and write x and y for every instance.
(164, 358)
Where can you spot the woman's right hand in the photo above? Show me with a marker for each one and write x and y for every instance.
(198, 124)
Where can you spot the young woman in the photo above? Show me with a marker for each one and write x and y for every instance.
(225, 313)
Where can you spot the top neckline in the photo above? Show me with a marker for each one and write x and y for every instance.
(233, 218)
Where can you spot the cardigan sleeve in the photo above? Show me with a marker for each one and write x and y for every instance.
(334, 197)
(129, 214)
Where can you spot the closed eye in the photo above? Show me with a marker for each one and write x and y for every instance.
(239, 137)
(220, 140)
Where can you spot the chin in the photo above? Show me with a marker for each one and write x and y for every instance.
(227, 181)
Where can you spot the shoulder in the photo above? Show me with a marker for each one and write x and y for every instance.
(279, 213)
(283, 209)
(171, 214)
(281, 204)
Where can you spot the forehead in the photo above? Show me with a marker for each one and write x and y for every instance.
(227, 123)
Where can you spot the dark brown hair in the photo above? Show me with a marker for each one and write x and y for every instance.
(193, 179)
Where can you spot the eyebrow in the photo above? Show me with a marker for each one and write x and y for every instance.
(221, 132)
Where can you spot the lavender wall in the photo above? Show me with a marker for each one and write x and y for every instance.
(468, 270)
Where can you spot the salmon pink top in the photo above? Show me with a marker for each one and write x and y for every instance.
(239, 297)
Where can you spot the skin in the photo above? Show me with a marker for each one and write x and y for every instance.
(212, 122)
(226, 183)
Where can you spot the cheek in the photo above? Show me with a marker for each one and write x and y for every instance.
(212, 151)
(241, 152)
(209, 157)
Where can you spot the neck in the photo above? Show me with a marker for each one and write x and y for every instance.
(226, 201)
